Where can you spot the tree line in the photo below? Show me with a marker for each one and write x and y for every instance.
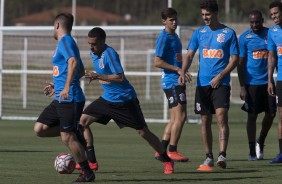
(142, 12)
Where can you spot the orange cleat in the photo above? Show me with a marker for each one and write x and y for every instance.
(168, 167)
(177, 157)
(93, 166)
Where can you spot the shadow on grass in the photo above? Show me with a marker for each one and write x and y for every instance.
(173, 180)
(21, 151)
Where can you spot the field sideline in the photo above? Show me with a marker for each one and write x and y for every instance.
(125, 158)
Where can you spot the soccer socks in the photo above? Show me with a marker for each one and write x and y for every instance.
(172, 148)
(280, 145)
(165, 144)
(90, 152)
(209, 155)
(85, 167)
(252, 147)
(164, 157)
(223, 153)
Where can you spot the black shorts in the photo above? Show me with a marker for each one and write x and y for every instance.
(66, 115)
(125, 114)
(279, 93)
(257, 100)
(207, 99)
(175, 95)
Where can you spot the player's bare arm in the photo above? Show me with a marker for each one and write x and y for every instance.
(160, 63)
(185, 76)
(72, 63)
(233, 62)
(108, 78)
(272, 61)
(241, 68)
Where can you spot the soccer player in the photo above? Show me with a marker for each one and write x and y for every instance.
(46, 131)
(252, 73)
(168, 57)
(119, 100)
(218, 52)
(275, 60)
(65, 109)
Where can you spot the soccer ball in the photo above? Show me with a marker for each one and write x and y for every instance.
(64, 163)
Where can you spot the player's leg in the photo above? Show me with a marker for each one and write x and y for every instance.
(47, 124)
(221, 102)
(179, 117)
(251, 133)
(67, 113)
(270, 109)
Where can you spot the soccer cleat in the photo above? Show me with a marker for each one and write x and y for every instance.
(259, 151)
(207, 165)
(93, 166)
(277, 159)
(85, 177)
(221, 161)
(252, 158)
(168, 167)
(157, 156)
(177, 157)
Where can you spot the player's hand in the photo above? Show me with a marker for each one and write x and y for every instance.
(49, 89)
(188, 77)
(270, 89)
(64, 95)
(243, 93)
(91, 76)
(216, 81)
(183, 78)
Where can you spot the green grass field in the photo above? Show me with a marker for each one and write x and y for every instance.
(124, 158)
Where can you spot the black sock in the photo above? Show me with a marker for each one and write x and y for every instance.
(85, 167)
(90, 152)
(222, 153)
(261, 139)
(209, 155)
(165, 144)
(164, 157)
(172, 148)
(280, 145)
(252, 147)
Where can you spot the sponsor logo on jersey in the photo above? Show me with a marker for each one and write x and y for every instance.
(275, 29)
(56, 71)
(279, 51)
(220, 38)
(225, 30)
(212, 53)
(260, 54)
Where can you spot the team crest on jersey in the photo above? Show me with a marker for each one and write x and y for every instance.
(225, 30)
(275, 29)
(220, 38)
(101, 62)
(249, 36)
(203, 30)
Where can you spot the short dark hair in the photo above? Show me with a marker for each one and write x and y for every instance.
(277, 4)
(168, 12)
(98, 33)
(256, 12)
(210, 5)
(66, 20)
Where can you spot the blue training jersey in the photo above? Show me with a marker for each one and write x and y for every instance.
(108, 63)
(215, 49)
(275, 44)
(253, 47)
(169, 48)
(66, 49)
